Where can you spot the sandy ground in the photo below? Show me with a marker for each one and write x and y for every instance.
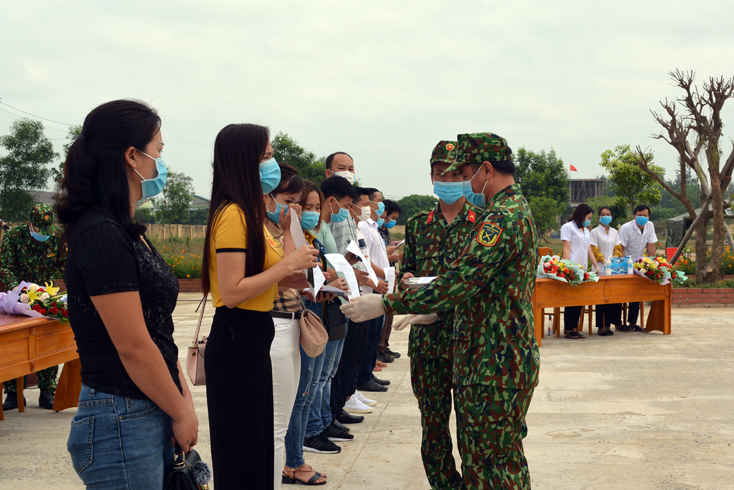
(642, 411)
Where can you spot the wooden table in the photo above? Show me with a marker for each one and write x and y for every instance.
(28, 345)
(550, 293)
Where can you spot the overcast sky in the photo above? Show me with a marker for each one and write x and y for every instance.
(381, 80)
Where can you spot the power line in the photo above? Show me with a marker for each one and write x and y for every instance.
(39, 117)
(16, 115)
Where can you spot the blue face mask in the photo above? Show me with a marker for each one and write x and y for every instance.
(380, 208)
(641, 220)
(605, 220)
(390, 224)
(275, 217)
(340, 216)
(38, 237)
(448, 192)
(476, 199)
(380, 222)
(269, 176)
(587, 223)
(153, 187)
(310, 220)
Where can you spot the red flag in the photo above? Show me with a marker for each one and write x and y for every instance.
(573, 169)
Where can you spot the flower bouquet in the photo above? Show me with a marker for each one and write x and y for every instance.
(553, 267)
(658, 269)
(36, 302)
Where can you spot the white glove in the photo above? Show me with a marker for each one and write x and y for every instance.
(364, 308)
(414, 320)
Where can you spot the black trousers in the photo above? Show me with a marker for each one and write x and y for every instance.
(607, 315)
(632, 313)
(571, 315)
(345, 381)
(239, 396)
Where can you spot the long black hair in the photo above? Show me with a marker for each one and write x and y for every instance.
(238, 150)
(95, 171)
(580, 213)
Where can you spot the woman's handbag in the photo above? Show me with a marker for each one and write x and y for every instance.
(313, 333)
(334, 320)
(195, 357)
(189, 472)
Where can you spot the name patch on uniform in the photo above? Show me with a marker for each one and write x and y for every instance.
(489, 234)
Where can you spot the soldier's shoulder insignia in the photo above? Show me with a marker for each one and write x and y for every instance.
(488, 234)
(472, 216)
(430, 217)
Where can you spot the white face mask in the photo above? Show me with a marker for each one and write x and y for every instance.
(346, 174)
(366, 213)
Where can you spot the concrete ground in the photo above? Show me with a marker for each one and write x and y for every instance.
(642, 411)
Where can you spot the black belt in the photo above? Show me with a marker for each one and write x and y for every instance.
(285, 315)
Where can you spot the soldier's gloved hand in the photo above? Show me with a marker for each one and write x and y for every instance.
(364, 308)
(424, 319)
(403, 322)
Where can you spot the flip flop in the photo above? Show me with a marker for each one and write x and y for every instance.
(637, 328)
(573, 335)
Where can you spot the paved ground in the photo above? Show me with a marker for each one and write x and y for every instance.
(642, 411)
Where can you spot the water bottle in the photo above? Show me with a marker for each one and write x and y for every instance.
(608, 266)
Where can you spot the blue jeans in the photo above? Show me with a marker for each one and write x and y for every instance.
(310, 373)
(369, 358)
(320, 416)
(120, 443)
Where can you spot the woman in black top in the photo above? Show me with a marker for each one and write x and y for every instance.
(134, 401)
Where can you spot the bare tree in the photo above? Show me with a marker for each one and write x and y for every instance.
(697, 114)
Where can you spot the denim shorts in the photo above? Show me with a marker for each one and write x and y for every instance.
(120, 443)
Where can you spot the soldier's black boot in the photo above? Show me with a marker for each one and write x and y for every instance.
(11, 401)
(46, 400)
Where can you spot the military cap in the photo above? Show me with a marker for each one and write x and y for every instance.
(42, 219)
(480, 147)
(444, 152)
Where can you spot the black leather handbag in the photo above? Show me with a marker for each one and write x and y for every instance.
(189, 472)
(334, 320)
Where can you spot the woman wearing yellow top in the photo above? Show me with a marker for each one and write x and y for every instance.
(605, 244)
(242, 268)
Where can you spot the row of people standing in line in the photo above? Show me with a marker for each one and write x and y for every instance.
(580, 245)
(135, 402)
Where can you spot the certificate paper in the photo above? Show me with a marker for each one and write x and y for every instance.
(340, 264)
(354, 248)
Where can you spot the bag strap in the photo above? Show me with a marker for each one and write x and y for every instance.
(202, 305)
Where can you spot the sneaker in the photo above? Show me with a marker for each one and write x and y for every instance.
(383, 382)
(393, 354)
(383, 357)
(320, 444)
(339, 425)
(347, 418)
(359, 396)
(371, 386)
(353, 405)
(336, 435)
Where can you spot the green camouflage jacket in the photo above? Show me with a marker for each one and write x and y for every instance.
(22, 258)
(431, 245)
(492, 285)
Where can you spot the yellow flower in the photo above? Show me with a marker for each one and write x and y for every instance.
(50, 289)
(33, 293)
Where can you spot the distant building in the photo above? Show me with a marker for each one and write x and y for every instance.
(580, 190)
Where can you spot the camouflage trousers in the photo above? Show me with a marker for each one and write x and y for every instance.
(46, 381)
(431, 380)
(490, 429)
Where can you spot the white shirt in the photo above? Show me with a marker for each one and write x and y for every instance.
(580, 241)
(376, 244)
(635, 241)
(366, 252)
(604, 241)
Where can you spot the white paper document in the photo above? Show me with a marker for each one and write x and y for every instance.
(390, 278)
(354, 248)
(299, 240)
(341, 265)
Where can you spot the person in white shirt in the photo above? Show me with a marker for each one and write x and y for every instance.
(576, 248)
(637, 237)
(605, 244)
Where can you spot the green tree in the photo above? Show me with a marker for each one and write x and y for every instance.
(414, 204)
(71, 136)
(178, 194)
(287, 150)
(545, 214)
(541, 174)
(23, 168)
(628, 180)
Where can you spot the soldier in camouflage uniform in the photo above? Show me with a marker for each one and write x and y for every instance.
(433, 240)
(33, 253)
(496, 360)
